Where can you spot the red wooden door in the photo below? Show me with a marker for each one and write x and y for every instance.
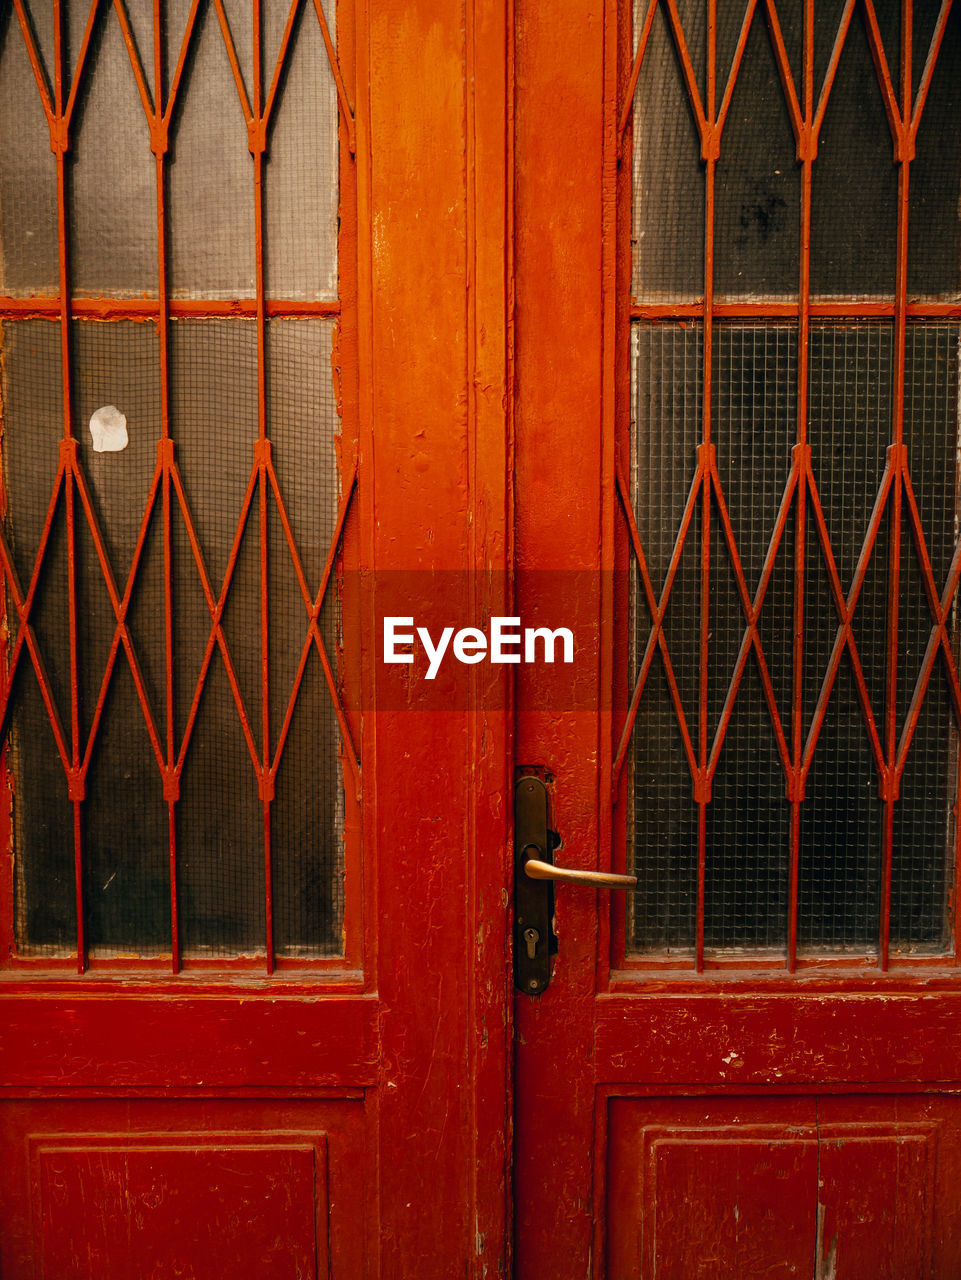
(255, 957)
(737, 273)
(669, 358)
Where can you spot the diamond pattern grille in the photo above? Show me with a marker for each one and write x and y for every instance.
(792, 498)
(170, 612)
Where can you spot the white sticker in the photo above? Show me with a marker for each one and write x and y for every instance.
(108, 429)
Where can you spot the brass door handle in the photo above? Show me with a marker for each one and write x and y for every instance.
(535, 869)
(535, 943)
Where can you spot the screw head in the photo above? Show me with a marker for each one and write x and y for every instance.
(533, 984)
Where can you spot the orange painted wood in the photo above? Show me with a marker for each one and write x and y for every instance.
(437, 789)
(396, 1061)
(559, 476)
(650, 1100)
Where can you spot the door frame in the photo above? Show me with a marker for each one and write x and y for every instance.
(440, 86)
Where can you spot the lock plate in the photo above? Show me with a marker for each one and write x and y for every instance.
(533, 899)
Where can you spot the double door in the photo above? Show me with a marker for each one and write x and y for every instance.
(642, 325)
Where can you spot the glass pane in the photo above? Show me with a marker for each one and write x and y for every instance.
(758, 183)
(934, 223)
(111, 179)
(219, 834)
(667, 375)
(747, 839)
(754, 416)
(758, 187)
(851, 421)
(211, 186)
(854, 186)
(668, 208)
(300, 218)
(29, 260)
(112, 175)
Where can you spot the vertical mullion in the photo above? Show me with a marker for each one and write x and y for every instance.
(68, 456)
(707, 483)
(58, 56)
(802, 453)
(258, 137)
(894, 547)
(171, 782)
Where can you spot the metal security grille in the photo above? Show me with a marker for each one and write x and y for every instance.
(174, 731)
(793, 503)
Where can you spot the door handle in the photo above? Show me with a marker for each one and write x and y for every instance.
(535, 869)
(534, 877)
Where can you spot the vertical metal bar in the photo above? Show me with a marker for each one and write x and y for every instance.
(703, 455)
(58, 58)
(75, 781)
(894, 547)
(78, 884)
(258, 152)
(259, 140)
(267, 781)
(802, 456)
(68, 455)
(171, 788)
(171, 783)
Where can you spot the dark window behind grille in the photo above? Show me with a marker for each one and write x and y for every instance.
(768, 775)
(161, 796)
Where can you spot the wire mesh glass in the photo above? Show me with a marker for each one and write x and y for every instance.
(747, 839)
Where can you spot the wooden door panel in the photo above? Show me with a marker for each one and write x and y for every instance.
(727, 1205)
(779, 1037)
(878, 1193)
(241, 1023)
(743, 1187)
(299, 1041)
(742, 418)
(247, 1206)
(203, 1188)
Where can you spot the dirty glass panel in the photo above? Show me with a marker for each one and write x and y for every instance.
(758, 186)
(112, 206)
(934, 219)
(211, 180)
(29, 262)
(218, 835)
(746, 869)
(747, 844)
(667, 235)
(758, 183)
(301, 189)
(854, 180)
